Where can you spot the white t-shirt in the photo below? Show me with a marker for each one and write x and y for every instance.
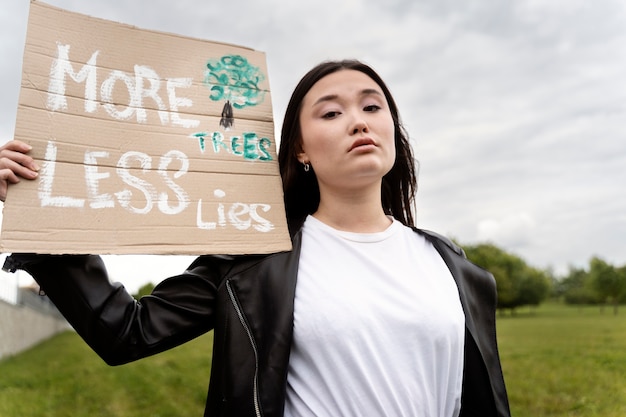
(378, 327)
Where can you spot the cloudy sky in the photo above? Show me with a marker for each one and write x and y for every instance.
(517, 109)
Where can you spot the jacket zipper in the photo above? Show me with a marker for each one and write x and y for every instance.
(255, 393)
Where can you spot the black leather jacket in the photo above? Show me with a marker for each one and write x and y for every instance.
(248, 301)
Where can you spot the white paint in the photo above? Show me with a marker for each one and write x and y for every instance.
(220, 207)
(234, 215)
(62, 66)
(145, 83)
(220, 213)
(147, 189)
(46, 179)
(201, 224)
(142, 73)
(93, 177)
(181, 195)
(262, 225)
(240, 215)
(106, 92)
(178, 102)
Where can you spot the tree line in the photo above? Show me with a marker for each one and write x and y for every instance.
(520, 284)
(600, 283)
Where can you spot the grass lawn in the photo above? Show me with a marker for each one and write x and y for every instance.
(63, 377)
(558, 361)
(565, 361)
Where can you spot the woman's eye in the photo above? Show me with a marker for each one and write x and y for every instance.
(372, 108)
(330, 114)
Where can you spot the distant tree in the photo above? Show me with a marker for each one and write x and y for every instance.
(608, 281)
(577, 288)
(555, 289)
(622, 273)
(146, 289)
(534, 287)
(518, 283)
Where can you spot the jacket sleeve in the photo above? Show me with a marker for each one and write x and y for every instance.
(117, 327)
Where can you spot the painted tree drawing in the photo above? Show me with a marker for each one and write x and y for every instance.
(233, 79)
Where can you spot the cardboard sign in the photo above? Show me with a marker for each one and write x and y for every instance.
(148, 143)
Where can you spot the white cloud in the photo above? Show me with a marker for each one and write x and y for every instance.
(513, 231)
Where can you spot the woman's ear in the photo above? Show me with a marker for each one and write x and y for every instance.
(303, 158)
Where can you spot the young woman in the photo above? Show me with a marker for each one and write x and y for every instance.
(366, 316)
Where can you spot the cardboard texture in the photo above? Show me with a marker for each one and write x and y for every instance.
(149, 143)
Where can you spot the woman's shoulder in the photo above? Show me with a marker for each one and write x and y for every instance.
(441, 240)
(223, 265)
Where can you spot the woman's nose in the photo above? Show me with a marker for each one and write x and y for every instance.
(360, 126)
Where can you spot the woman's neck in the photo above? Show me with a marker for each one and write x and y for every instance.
(353, 212)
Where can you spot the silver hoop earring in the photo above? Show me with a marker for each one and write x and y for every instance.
(307, 167)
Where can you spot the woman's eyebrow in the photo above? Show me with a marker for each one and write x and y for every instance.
(371, 91)
(332, 97)
(329, 97)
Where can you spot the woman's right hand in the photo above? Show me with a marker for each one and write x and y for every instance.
(15, 164)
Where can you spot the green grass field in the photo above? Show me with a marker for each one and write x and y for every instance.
(63, 377)
(557, 360)
(565, 361)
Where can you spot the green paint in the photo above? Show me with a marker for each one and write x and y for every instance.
(264, 145)
(235, 145)
(234, 80)
(248, 145)
(218, 142)
(201, 138)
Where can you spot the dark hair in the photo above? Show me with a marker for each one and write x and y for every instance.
(301, 190)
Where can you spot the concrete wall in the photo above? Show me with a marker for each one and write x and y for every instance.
(22, 327)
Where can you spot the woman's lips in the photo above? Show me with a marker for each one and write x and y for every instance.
(362, 142)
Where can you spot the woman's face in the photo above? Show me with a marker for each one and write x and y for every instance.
(347, 131)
